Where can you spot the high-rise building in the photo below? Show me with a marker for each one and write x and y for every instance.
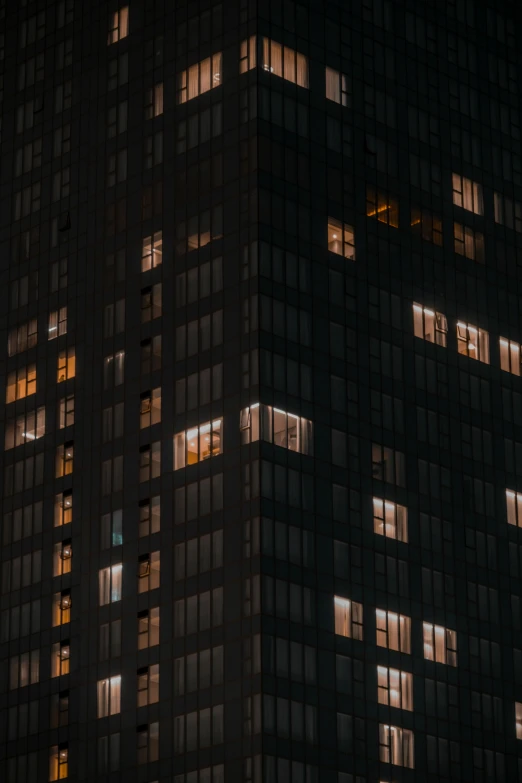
(261, 485)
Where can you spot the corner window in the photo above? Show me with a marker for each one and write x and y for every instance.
(429, 325)
(282, 61)
(273, 425)
(509, 356)
(197, 444)
(348, 616)
(341, 238)
(440, 644)
(248, 54)
(473, 342)
(199, 78)
(390, 519)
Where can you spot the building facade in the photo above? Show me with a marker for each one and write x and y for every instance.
(261, 333)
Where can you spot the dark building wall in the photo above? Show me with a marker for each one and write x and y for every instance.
(327, 253)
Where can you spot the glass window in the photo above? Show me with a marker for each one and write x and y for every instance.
(154, 101)
(336, 86)
(198, 443)
(440, 644)
(63, 508)
(429, 325)
(66, 411)
(64, 459)
(148, 628)
(390, 519)
(393, 631)
(62, 559)
(396, 746)
(152, 251)
(341, 238)
(467, 194)
(61, 613)
(248, 54)
(518, 719)
(514, 507)
(109, 696)
(21, 383)
(110, 584)
(60, 659)
(148, 572)
(66, 365)
(473, 342)
(348, 617)
(395, 688)
(382, 207)
(509, 356)
(118, 25)
(426, 225)
(148, 685)
(59, 762)
(282, 61)
(508, 212)
(468, 242)
(150, 514)
(199, 78)
(273, 425)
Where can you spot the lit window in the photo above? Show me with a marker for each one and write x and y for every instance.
(390, 519)
(426, 225)
(393, 630)
(336, 86)
(473, 342)
(429, 325)
(468, 242)
(348, 617)
(248, 54)
(396, 746)
(518, 719)
(62, 560)
(61, 608)
(395, 688)
(282, 61)
(199, 78)
(25, 428)
(341, 238)
(119, 25)
(148, 572)
(64, 459)
(508, 212)
(66, 411)
(152, 251)
(110, 584)
(63, 508)
(109, 696)
(59, 762)
(57, 323)
(60, 659)
(148, 685)
(150, 408)
(276, 426)
(21, 383)
(114, 370)
(514, 507)
(382, 207)
(509, 356)
(148, 628)
(198, 443)
(66, 365)
(467, 194)
(440, 644)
